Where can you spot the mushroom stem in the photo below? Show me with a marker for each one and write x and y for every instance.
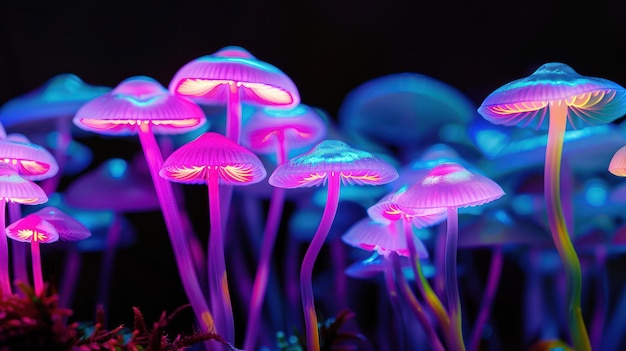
(454, 301)
(558, 227)
(19, 249)
(36, 259)
(216, 265)
(233, 114)
(306, 270)
(5, 281)
(106, 267)
(175, 228)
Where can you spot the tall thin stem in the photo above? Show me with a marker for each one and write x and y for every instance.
(113, 237)
(18, 248)
(216, 265)
(452, 287)
(36, 259)
(306, 270)
(558, 227)
(493, 279)
(233, 114)
(5, 281)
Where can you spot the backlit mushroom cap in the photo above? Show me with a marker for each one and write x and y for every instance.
(387, 210)
(312, 168)
(61, 96)
(31, 161)
(450, 185)
(191, 162)
(207, 80)
(136, 101)
(374, 236)
(32, 228)
(300, 127)
(524, 102)
(617, 166)
(68, 228)
(17, 189)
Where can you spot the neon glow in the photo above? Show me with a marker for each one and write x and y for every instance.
(32, 235)
(105, 124)
(237, 173)
(27, 166)
(313, 177)
(200, 87)
(20, 200)
(367, 178)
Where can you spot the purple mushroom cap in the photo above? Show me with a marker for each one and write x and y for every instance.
(32, 228)
(17, 189)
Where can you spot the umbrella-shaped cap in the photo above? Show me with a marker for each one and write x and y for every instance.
(374, 236)
(32, 228)
(524, 102)
(17, 189)
(617, 166)
(136, 102)
(61, 96)
(450, 185)
(68, 228)
(312, 168)
(208, 79)
(191, 162)
(30, 160)
(300, 127)
(387, 210)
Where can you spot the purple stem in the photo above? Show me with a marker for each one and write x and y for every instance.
(18, 248)
(493, 279)
(5, 281)
(216, 265)
(113, 237)
(338, 255)
(37, 275)
(291, 277)
(175, 228)
(233, 114)
(454, 301)
(306, 270)
(260, 282)
(395, 302)
(71, 271)
(440, 249)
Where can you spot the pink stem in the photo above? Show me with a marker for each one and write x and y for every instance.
(37, 275)
(18, 248)
(454, 301)
(260, 282)
(440, 249)
(493, 280)
(233, 114)
(5, 281)
(306, 270)
(175, 228)
(218, 279)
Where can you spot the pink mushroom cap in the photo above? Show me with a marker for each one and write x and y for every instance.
(136, 101)
(30, 160)
(191, 162)
(374, 236)
(17, 189)
(32, 228)
(450, 185)
(387, 210)
(68, 228)
(207, 80)
(353, 165)
(617, 166)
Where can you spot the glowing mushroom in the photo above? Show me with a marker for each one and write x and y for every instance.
(233, 76)
(330, 163)
(213, 159)
(553, 96)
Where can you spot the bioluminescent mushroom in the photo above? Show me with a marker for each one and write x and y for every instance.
(330, 163)
(276, 132)
(555, 95)
(451, 186)
(617, 165)
(34, 230)
(13, 189)
(233, 76)
(141, 105)
(213, 159)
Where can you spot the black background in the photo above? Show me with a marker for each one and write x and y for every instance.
(327, 48)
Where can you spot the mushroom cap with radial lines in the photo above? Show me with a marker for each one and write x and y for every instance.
(17, 189)
(312, 168)
(387, 210)
(617, 166)
(524, 102)
(450, 185)
(32, 228)
(191, 162)
(374, 236)
(68, 228)
(207, 79)
(30, 160)
(136, 101)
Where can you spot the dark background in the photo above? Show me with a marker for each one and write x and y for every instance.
(327, 48)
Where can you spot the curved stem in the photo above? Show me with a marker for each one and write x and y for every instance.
(260, 282)
(218, 279)
(454, 301)
(558, 227)
(19, 250)
(306, 270)
(37, 275)
(422, 283)
(175, 228)
(395, 302)
(233, 114)
(493, 279)
(5, 281)
(416, 307)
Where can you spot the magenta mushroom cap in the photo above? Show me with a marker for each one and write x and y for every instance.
(191, 162)
(353, 165)
(138, 101)
(524, 102)
(207, 79)
(17, 189)
(374, 236)
(68, 228)
(32, 228)
(30, 160)
(300, 127)
(387, 210)
(450, 185)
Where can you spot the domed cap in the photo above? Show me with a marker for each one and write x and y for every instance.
(17, 189)
(31, 161)
(32, 228)
(387, 210)
(374, 236)
(207, 80)
(68, 228)
(191, 162)
(312, 168)
(617, 166)
(524, 102)
(139, 101)
(450, 185)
